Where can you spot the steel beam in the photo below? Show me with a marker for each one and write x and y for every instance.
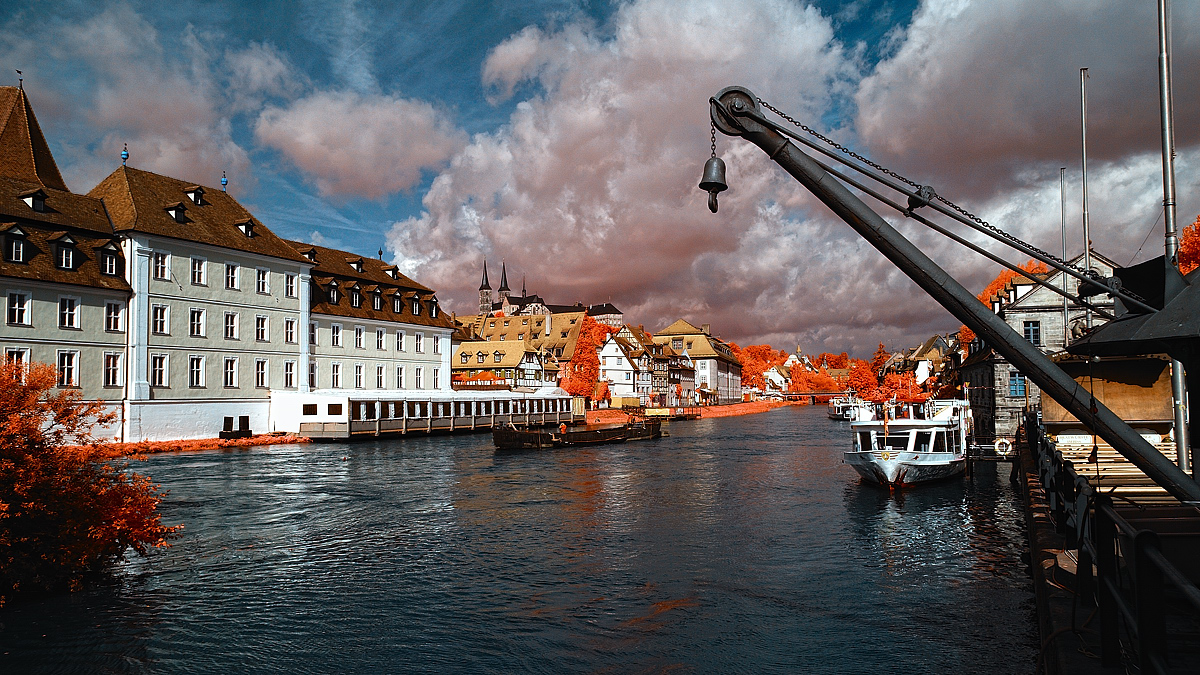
(734, 111)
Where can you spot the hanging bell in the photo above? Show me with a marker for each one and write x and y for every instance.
(713, 181)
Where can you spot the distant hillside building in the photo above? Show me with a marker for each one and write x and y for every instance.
(718, 371)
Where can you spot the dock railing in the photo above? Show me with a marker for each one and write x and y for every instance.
(1133, 585)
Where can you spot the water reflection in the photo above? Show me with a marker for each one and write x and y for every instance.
(736, 544)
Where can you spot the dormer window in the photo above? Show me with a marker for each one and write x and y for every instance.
(416, 307)
(195, 193)
(480, 357)
(35, 200)
(465, 358)
(65, 256)
(110, 262)
(311, 254)
(392, 272)
(433, 307)
(376, 301)
(496, 356)
(177, 212)
(246, 227)
(355, 298)
(333, 295)
(397, 304)
(14, 245)
(356, 264)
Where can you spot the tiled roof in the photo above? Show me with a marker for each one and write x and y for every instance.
(40, 252)
(533, 328)
(680, 327)
(24, 154)
(333, 262)
(137, 201)
(62, 209)
(511, 353)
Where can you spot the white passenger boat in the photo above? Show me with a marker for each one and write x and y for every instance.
(930, 445)
(845, 407)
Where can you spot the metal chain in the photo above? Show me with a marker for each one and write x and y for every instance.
(713, 137)
(982, 223)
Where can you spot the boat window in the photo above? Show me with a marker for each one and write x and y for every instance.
(939, 441)
(923, 441)
(896, 442)
(864, 441)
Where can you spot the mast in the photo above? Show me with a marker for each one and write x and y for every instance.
(1178, 391)
(1062, 199)
(1087, 234)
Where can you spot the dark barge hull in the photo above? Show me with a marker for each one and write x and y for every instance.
(536, 439)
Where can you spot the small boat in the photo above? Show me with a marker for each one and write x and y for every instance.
(929, 445)
(528, 438)
(846, 407)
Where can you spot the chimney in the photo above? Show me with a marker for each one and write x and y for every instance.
(706, 329)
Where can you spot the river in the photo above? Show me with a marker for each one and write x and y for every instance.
(737, 544)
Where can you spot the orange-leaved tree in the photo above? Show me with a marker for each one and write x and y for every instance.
(879, 358)
(965, 335)
(756, 360)
(69, 509)
(862, 379)
(1189, 247)
(582, 371)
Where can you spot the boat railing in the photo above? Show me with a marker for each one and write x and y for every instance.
(1121, 568)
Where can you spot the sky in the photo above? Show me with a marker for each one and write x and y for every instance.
(566, 138)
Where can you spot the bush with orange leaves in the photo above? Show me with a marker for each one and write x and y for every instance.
(69, 509)
(965, 335)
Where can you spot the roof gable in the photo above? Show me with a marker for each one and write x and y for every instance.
(24, 154)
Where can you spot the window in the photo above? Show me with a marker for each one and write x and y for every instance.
(434, 383)
(481, 357)
(289, 285)
(158, 320)
(1033, 332)
(162, 265)
(627, 376)
(399, 377)
(15, 250)
(196, 322)
(158, 370)
(437, 345)
(196, 372)
(358, 376)
(335, 335)
(397, 304)
(496, 357)
(520, 336)
(312, 374)
(312, 333)
(289, 374)
(399, 340)
(67, 363)
(199, 272)
(308, 409)
(261, 329)
(355, 298)
(376, 302)
(260, 373)
(262, 281)
(677, 344)
(289, 331)
(230, 372)
(112, 369)
(416, 307)
(379, 377)
(433, 308)
(419, 342)
(333, 295)
(465, 358)
(1016, 383)
(231, 325)
(380, 338)
(335, 376)
(18, 309)
(66, 257)
(419, 378)
(231, 276)
(68, 313)
(113, 315)
(358, 337)
(334, 408)
(110, 264)
(16, 355)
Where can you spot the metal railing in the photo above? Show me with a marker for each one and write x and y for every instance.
(1132, 577)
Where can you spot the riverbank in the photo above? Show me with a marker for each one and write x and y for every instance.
(731, 410)
(159, 447)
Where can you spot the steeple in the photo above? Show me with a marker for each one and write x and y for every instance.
(524, 294)
(485, 293)
(503, 291)
(24, 153)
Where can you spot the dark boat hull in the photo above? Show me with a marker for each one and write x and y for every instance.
(536, 439)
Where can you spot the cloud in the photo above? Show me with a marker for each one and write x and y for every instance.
(369, 145)
(258, 71)
(591, 185)
(977, 92)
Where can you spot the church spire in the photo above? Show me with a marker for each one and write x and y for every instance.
(485, 286)
(504, 289)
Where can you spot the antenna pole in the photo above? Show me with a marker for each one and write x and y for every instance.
(1178, 389)
(1087, 233)
(1062, 198)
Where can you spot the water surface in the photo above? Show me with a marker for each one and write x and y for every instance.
(736, 544)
